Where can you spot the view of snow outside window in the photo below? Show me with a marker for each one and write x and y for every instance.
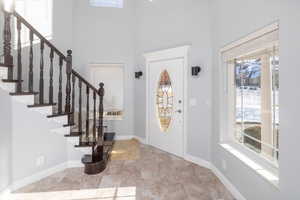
(248, 103)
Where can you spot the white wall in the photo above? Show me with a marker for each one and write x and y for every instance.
(233, 19)
(171, 23)
(5, 140)
(106, 35)
(32, 138)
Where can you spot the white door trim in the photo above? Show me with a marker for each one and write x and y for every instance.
(173, 53)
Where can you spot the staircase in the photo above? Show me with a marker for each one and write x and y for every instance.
(55, 89)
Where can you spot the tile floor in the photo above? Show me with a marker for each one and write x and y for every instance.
(156, 175)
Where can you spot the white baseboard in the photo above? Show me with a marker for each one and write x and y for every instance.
(198, 161)
(124, 137)
(227, 183)
(129, 137)
(38, 176)
(218, 173)
(141, 140)
(75, 163)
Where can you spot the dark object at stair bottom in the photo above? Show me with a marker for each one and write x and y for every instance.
(93, 165)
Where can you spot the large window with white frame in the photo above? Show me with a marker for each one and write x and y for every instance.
(253, 93)
(39, 14)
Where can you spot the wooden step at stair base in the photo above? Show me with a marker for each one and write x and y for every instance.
(91, 167)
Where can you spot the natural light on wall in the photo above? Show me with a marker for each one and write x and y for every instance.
(39, 14)
(107, 3)
(8, 5)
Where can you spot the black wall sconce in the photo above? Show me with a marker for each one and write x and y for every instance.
(196, 70)
(138, 74)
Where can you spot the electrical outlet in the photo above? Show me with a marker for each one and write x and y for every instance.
(224, 165)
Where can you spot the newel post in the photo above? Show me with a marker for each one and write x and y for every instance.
(68, 86)
(8, 58)
(101, 110)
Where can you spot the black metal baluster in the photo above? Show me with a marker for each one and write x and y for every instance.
(100, 123)
(8, 58)
(30, 79)
(19, 72)
(51, 77)
(94, 117)
(100, 147)
(60, 86)
(41, 91)
(68, 84)
(87, 123)
(73, 100)
(80, 110)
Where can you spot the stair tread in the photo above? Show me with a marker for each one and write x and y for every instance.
(10, 81)
(23, 93)
(67, 125)
(41, 105)
(58, 115)
(5, 65)
(74, 134)
(85, 144)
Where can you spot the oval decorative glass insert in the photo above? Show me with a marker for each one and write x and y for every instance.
(164, 101)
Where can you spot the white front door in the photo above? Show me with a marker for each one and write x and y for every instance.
(165, 105)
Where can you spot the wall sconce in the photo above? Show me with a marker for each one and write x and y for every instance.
(138, 74)
(196, 70)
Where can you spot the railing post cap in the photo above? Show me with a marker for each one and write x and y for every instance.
(69, 52)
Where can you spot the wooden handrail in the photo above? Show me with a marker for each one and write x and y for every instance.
(38, 34)
(48, 43)
(85, 81)
(66, 88)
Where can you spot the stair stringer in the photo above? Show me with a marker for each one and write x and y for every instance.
(49, 128)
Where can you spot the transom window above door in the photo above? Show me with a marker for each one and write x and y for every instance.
(107, 3)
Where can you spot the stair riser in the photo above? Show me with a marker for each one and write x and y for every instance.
(9, 87)
(3, 73)
(44, 110)
(73, 140)
(61, 119)
(62, 131)
(25, 99)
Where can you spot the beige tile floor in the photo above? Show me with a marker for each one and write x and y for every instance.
(156, 175)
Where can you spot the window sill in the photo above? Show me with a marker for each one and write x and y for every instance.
(257, 167)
